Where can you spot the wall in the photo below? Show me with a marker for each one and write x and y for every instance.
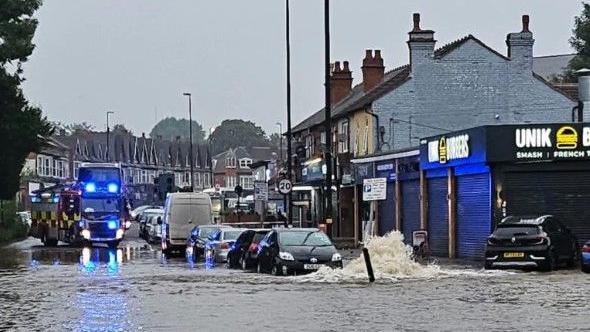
(362, 129)
(471, 86)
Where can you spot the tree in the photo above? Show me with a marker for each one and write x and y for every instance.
(170, 128)
(23, 129)
(122, 129)
(580, 41)
(233, 133)
(275, 140)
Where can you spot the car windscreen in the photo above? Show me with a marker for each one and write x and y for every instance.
(206, 231)
(516, 230)
(231, 235)
(304, 239)
(90, 205)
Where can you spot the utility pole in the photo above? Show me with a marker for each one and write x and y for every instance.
(190, 135)
(108, 134)
(328, 121)
(289, 135)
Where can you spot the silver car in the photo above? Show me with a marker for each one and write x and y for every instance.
(219, 243)
(154, 228)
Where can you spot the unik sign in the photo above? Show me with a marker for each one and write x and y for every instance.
(562, 142)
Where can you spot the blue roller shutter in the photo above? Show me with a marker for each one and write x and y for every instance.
(438, 217)
(473, 214)
(410, 208)
(387, 211)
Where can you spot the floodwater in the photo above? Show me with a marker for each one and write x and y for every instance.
(134, 288)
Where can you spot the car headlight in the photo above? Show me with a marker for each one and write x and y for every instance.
(336, 257)
(286, 256)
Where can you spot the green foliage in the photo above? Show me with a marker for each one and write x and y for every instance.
(233, 133)
(170, 128)
(23, 128)
(10, 227)
(580, 41)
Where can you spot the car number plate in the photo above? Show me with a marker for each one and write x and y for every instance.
(513, 254)
(312, 266)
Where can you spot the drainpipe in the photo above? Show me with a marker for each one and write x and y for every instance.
(378, 147)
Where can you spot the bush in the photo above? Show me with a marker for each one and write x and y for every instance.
(10, 227)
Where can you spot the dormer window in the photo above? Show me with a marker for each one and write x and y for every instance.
(230, 162)
(245, 163)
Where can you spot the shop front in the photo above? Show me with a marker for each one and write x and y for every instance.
(476, 177)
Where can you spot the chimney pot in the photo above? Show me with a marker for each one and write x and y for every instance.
(346, 66)
(143, 135)
(377, 54)
(525, 23)
(416, 22)
(368, 54)
(337, 66)
(373, 70)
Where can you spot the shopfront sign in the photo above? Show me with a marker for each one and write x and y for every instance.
(386, 170)
(541, 142)
(363, 171)
(445, 149)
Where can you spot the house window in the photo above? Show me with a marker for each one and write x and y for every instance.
(309, 146)
(343, 137)
(323, 137)
(230, 181)
(245, 163)
(143, 176)
(76, 168)
(247, 182)
(46, 168)
(230, 162)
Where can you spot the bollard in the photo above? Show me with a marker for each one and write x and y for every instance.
(369, 265)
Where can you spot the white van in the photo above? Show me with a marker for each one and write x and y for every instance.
(182, 212)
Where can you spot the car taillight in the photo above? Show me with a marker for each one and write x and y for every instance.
(586, 248)
(225, 245)
(253, 247)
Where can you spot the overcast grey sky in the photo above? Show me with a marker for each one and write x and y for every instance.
(136, 57)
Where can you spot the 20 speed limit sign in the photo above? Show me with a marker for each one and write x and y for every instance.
(285, 186)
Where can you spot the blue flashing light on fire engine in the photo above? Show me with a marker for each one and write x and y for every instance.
(112, 224)
(113, 188)
(90, 187)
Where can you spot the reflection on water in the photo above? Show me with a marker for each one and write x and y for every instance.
(100, 300)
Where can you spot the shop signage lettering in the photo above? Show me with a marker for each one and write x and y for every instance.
(385, 167)
(564, 142)
(446, 149)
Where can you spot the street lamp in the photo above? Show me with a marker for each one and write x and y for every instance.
(289, 135)
(328, 120)
(190, 135)
(108, 134)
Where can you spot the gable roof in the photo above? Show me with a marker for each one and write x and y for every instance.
(551, 65)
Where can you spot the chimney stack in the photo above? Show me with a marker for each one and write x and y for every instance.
(421, 44)
(373, 69)
(520, 47)
(340, 82)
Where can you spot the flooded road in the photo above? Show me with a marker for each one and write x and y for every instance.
(134, 288)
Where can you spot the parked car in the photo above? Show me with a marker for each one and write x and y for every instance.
(284, 251)
(531, 242)
(154, 228)
(244, 253)
(144, 218)
(182, 212)
(25, 218)
(219, 242)
(586, 257)
(195, 243)
(135, 213)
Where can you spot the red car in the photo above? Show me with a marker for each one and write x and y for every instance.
(244, 252)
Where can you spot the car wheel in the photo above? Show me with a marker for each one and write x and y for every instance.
(575, 258)
(549, 262)
(259, 268)
(243, 263)
(276, 270)
(487, 265)
(586, 268)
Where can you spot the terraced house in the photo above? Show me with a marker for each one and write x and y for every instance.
(378, 123)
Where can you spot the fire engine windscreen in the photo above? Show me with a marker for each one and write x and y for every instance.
(99, 175)
(100, 205)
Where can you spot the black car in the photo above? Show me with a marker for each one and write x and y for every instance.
(538, 242)
(244, 252)
(284, 251)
